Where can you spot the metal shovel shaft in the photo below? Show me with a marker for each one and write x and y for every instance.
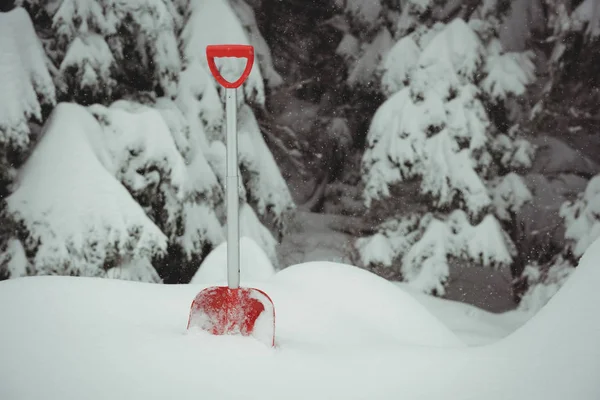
(232, 182)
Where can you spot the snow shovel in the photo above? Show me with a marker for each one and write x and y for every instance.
(231, 309)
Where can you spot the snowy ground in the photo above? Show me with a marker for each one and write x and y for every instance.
(342, 333)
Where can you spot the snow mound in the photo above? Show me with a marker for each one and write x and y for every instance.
(131, 334)
(255, 265)
(338, 304)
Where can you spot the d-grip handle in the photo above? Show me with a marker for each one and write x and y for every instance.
(230, 50)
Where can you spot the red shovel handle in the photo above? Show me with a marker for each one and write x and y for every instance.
(230, 50)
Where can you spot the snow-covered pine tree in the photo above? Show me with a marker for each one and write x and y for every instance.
(149, 189)
(434, 129)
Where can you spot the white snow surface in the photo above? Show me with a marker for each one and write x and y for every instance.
(341, 333)
(255, 265)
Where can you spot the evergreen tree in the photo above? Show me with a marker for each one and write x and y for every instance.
(435, 129)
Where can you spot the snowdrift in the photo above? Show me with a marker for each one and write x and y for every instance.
(342, 334)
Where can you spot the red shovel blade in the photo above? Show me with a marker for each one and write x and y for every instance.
(242, 311)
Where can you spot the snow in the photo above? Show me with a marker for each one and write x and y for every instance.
(23, 77)
(449, 173)
(13, 261)
(393, 240)
(508, 73)
(92, 59)
(458, 45)
(517, 153)
(509, 194)
(399, 64)
(134, 269)
(486, 242)
(395, 146)
(543, 286)
(137, 137)
(341, 333)
(424, 244)
(425, 265)
(375, 249)
(255, 265)
(205, 116)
